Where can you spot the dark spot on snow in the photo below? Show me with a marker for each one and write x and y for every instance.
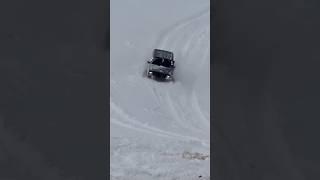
(200, 176)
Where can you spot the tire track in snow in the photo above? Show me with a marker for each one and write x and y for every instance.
(193, 47)
(175, 38)
(180, 116)
(187, 34)
(197, 33)
(177, 116)
(163, 38)
(166, 41)
(195, 104)
(130, 123)
(170, 37)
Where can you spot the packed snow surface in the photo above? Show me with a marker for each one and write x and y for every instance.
(160, 130)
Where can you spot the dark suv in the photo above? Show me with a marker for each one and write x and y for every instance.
(161, 65)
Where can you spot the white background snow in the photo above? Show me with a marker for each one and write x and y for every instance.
(160, 130)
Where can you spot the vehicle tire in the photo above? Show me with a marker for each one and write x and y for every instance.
(148, 75)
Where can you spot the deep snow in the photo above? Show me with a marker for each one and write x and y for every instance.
(159, 130)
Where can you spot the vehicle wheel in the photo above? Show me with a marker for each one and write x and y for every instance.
(148, 74)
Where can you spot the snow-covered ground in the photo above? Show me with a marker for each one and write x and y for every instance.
(160, 130)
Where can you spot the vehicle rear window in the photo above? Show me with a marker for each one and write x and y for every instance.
(166, 63)
(162, 62)
(157, 61)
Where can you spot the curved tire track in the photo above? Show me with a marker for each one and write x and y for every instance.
(183, 38)
(131, 123)
(174, 40)
(178, 113)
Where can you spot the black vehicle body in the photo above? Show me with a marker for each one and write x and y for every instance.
(161, 65)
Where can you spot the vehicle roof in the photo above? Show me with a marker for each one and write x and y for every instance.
(163, 54)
